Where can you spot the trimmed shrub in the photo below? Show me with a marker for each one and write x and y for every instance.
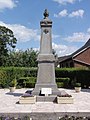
(26, 81)
(7, 74)
(80, 75)
(18, 72)
(63, 81)
(60, 84)
(3, 79)
(65, 72)
(29, 84)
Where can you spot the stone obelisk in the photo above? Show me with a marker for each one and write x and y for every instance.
(46, 60)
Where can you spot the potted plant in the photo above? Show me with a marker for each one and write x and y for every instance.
(78, 87)
(13, 84)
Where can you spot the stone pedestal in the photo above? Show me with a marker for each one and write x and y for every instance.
(52, 98)
(46, 60)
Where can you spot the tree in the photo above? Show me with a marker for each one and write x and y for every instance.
(7, 41)
(21, 58)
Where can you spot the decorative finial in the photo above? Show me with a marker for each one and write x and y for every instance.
(46, 13)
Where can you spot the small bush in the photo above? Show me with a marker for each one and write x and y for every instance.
(78, 85)
(13, 83)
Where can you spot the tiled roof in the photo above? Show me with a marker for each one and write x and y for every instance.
(87, 45)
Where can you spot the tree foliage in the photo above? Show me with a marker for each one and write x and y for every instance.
(20, 58)
(7, 40)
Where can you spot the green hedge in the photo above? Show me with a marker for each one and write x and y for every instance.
(63, 82)
(7, 74)
(60, 84)
(21, 73)
(80, 75)
(18, 72)
(3, 79)
(27, 82)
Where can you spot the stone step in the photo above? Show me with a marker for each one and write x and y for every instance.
(52, 98)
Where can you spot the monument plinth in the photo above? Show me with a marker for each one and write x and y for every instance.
(46, 60)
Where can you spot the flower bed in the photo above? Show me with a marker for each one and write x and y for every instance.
(66, 117)
(65, 99)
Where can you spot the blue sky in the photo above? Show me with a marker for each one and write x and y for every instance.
(71, 22)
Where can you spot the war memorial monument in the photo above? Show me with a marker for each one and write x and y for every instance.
(46, 60)
(46, 88)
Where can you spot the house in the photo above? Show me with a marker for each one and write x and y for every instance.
(80, 58)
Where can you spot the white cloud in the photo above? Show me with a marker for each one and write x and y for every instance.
(63, 50)
(55, 36)
(36, 49)
(22, 33)
(79, 37)
(64, 2)
(7, 4)
(78, 13)
(88, 30)
(63, 13)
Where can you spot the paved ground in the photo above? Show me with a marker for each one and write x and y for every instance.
(8, 103)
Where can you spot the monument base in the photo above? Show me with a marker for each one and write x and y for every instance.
(38, 87)
(51, 98)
